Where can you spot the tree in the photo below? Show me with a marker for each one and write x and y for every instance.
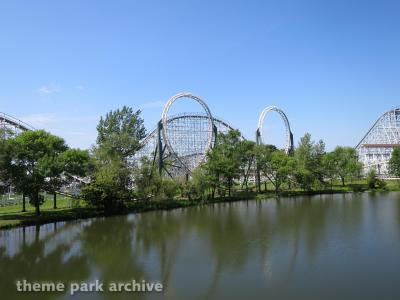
(246, 151)
(121, 131)
(62, 169)
(169, 188)
(109, 187)
(277, 168)
(373, 181)
(31, 160)
(309, 156)
(119, 135)
(5, 163)
(224, 161)
(200, 184)
(197, 186)
(146, 180)
(346, 162)
(263, 155)
(329, 165)
(394, 163)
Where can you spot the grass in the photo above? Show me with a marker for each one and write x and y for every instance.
(12, 216)
(62, 203)
(67, 209)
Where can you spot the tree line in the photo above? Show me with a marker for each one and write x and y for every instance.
(34, 162)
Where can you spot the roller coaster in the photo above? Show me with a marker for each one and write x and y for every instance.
(376, 147)
(11, 126)
(179, 143)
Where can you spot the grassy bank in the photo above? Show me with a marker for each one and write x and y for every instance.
(11, 216)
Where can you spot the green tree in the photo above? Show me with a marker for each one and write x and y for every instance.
(346, 162)
(224, 161)
(247, 153)
(329, 165)
(119, 135)
(62, 169)
(146, 180)
(31, 160)
(309, 156)
(278, 168)
(108, 189)
(169, 188)
(200, 183)
(263, 157)
(394, 163)
(372, 179)
(121, 131)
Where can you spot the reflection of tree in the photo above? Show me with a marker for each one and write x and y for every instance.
(160, 232)
(225, 231)
(34, 264)
(107, 245)
(397, 204)
(229, 238)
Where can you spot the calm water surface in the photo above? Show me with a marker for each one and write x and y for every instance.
(320, 247)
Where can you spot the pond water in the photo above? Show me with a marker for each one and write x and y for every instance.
(319, 247)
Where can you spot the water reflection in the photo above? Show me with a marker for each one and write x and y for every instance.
(47, 258)
(305, 247)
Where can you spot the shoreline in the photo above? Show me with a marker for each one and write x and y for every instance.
(20, 219)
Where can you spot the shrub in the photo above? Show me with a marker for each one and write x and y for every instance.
(108, 190)
(371, 179)
(373, 182)
(170, 188)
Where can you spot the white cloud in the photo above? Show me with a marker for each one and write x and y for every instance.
(80, 87)
(48, 89)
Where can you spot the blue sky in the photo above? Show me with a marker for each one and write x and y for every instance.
(332, 66)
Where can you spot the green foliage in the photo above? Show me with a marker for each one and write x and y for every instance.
(330, 167)
(33, 162)
(341, 163)
(373, 181)
(346, 163)
(76, 162)
(263, 157)
(112, 178)
(394, 163)
(224, 162)
(109, 187)
(121, 131)
(199, 184)
(309, 159)
(169, 188)
(247, 154)
(196, 187)
(146, 180)
(275, 165)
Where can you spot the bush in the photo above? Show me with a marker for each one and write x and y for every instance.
(108, 190)
(170, 188)
(371, 179)
(381, 184)
(105, 197)
(357, 187)
(373, 182)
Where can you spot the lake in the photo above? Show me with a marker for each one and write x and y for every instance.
(343, 246)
